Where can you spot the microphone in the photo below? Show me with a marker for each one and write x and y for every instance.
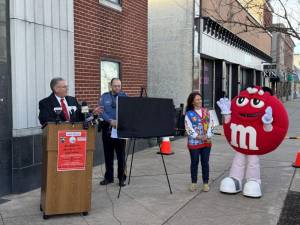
(84, 109)
(57, 111)
(72, 116)
(142, 91)
(94, 120)
(89, 119)
(85, 112)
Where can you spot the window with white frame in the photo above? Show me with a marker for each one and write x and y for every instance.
(118, 2)
(109, 69)
(114, 4)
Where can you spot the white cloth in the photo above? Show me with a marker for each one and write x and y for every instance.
(199, 111)
(114, 133)
(248, 164)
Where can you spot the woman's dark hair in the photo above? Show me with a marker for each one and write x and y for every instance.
(189, 104)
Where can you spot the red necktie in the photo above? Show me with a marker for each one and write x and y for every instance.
(64, 109)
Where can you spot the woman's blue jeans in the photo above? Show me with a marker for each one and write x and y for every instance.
(195, 154)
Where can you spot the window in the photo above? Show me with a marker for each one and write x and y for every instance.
(228, 75)
(207, 83)
(258, 77)
(3, 38)
(115, 1)
(3, 43)
(114, 4)
(247, 78)
(109, 69)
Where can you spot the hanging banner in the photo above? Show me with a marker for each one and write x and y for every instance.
(71, 150)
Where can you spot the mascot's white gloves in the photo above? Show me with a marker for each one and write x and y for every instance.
(268, 116)
(224, 104)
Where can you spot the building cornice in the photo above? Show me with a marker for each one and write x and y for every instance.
(212, 28)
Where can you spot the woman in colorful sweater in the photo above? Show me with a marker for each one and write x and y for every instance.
(199, 138)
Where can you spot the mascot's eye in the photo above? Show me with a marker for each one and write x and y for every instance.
(242, 101)
(256, 103)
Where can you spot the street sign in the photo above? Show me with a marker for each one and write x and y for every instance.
(269, 74)
(269, 70)
(269, 67)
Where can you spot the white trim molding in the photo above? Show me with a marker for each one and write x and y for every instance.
(220, 50)
(27, 132)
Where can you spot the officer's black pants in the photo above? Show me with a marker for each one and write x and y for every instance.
(110, 145)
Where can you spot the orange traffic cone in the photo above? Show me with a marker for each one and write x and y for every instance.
(297, 161)
(165, 147)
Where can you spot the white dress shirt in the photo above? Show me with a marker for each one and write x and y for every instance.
(65, 101)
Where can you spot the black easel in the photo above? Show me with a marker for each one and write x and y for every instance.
(143, 90)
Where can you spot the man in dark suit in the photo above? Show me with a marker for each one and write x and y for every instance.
(59, 100)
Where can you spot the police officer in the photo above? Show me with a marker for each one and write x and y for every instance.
(108, 103)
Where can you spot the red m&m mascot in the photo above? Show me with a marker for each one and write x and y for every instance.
(255, 123)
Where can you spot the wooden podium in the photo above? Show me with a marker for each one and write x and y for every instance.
(67, 191)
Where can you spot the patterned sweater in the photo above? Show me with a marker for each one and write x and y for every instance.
(197, 123)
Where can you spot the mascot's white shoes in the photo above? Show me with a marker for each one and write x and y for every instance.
(252, 189)
(230, 185)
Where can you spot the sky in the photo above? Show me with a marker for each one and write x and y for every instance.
(293, 9)
(297, 48)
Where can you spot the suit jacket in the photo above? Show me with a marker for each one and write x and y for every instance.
(48, 104)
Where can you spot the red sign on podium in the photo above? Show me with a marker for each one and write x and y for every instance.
(71, 150)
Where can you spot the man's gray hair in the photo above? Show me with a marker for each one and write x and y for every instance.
(54, 82)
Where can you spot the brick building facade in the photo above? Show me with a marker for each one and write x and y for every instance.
(104, 32)
(192, 49)
(268, 17)
(87, 42)
(233, 45)
(282, 54)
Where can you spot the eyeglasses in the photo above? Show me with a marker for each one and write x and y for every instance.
(116, 85)
(65, 87)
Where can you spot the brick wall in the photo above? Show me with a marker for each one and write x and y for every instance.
(268, 17)
(288, 52)
(102, 32)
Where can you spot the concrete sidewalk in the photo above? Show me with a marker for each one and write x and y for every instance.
(147, 199)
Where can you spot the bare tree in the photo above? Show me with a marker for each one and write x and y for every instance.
(254, 15)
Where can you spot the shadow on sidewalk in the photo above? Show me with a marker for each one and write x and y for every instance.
(290, 214)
